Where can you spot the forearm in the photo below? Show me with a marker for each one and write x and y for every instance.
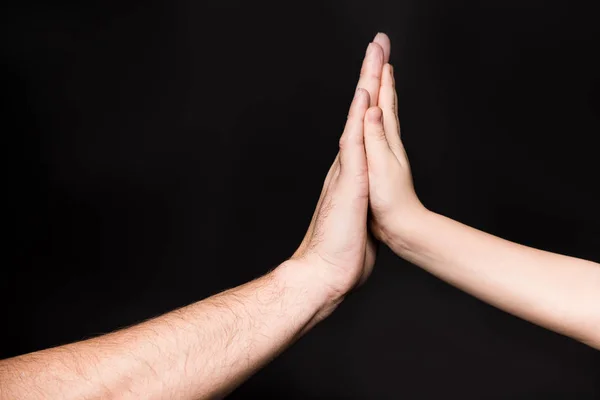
(203, 350)
(558, 292)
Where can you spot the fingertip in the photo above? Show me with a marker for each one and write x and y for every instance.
(381, 36)
(388, 75)
(376, 145)
(384, 42)
(374, 115)
(374, 53)
(377, 51)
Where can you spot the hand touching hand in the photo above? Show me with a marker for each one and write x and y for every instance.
(337, 242)
(393, 201)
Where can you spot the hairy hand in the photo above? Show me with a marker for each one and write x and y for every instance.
(337, 243)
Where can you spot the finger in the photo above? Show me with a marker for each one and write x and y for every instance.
(384, 41)
(353, 161)
(377, 149)
(370, 72)
(396, 103)
(387, 103)
(358, 107)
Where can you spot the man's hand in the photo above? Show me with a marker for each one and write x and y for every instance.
(337, 244)
(206, 349)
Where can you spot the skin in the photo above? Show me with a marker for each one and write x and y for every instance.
(554, 291)
(208, 348)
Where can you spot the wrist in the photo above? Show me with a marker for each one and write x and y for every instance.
(404, 230)
(308, 280)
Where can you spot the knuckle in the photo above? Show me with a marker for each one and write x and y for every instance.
(347, 140)
(361, 178)
(367, 73)
(343, 142)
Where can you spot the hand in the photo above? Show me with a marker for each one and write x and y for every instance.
(337, 243)
(393, 201)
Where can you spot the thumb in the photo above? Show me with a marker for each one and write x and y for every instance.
(379, 153)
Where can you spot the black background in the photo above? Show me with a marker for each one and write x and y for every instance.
(159, 152)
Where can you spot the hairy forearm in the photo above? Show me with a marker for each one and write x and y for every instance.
(203, 350)
(555, 291)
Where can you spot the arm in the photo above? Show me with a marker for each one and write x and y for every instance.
(199, 351)
(557, 292)
(206, 349)
(554, 291)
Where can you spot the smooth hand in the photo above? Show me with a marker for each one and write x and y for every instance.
(394, 204)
